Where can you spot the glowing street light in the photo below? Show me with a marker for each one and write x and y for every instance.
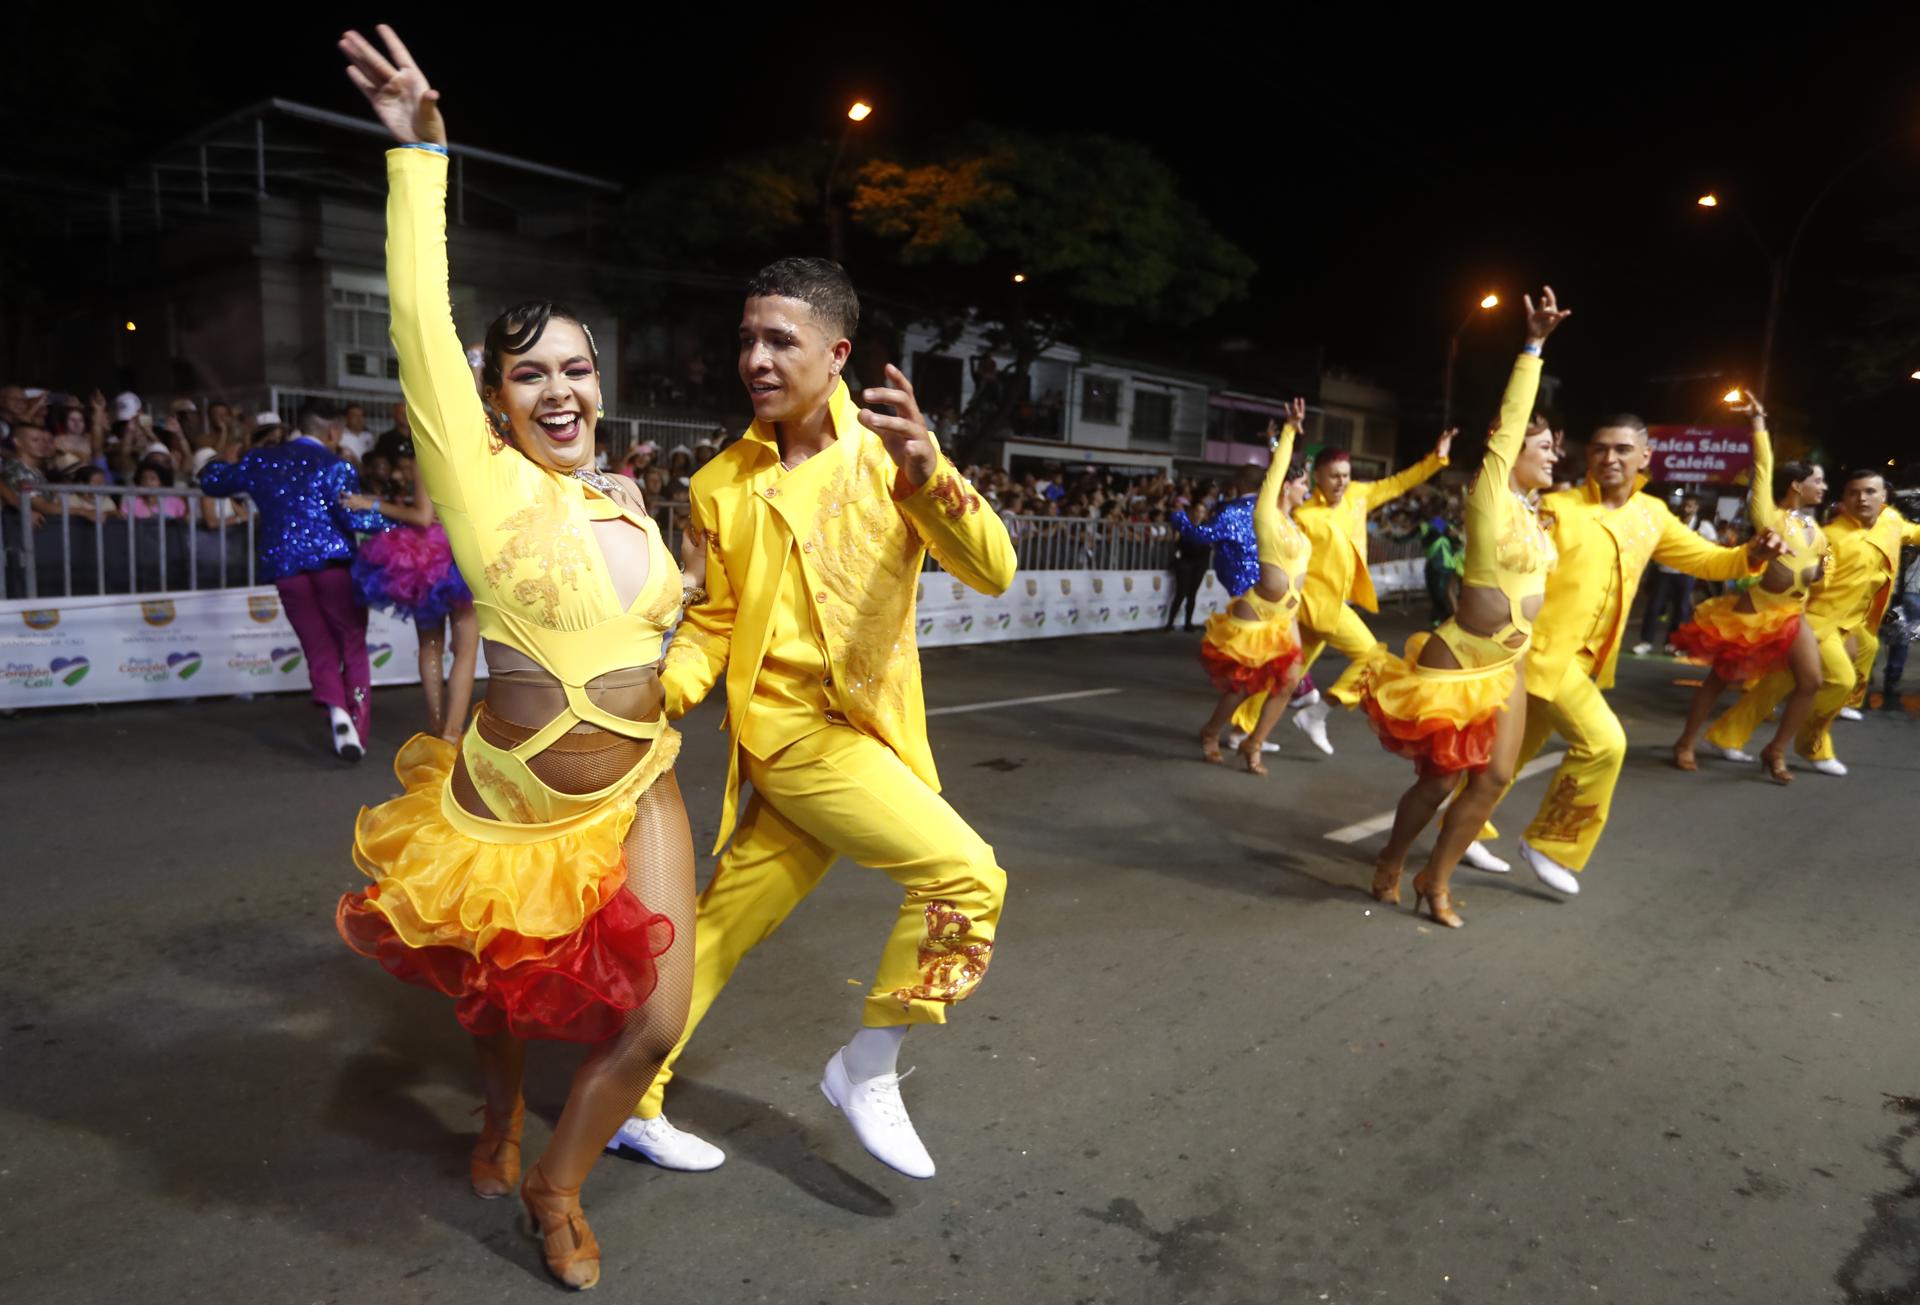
(860, 111)
(1020, 278)
(132, 327)
(1708, 200)
(1487, 301)
(1731, 396)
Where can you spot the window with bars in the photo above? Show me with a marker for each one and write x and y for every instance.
(358, 315)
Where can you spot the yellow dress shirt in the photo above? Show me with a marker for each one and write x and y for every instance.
(1590, 590)
(848, 527)
(1859, 578)
(1338, 535)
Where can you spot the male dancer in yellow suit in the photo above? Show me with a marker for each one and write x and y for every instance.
(815, 524)
(1604, 530)
(1845, 611)
(1335, 523)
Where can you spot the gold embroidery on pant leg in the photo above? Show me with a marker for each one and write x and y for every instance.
(952, 959)
(1562, 816)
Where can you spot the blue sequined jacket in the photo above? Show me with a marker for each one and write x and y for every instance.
(1236, 555)
(297, 487)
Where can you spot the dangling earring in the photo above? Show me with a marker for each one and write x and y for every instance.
(600, 410)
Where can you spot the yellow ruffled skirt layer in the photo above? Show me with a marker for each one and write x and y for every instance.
(1743, 646)
(1250, 656)
(537, 936)
(1444, 721)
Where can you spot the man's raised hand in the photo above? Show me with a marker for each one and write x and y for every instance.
(406, 105)
(905, 434)
(1443, 447)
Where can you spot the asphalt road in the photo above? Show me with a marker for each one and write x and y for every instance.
(1205, 1066)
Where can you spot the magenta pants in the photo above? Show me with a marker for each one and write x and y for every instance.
(332, 628)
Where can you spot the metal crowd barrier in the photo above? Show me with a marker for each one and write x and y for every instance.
(1085, 544)
(82, 548)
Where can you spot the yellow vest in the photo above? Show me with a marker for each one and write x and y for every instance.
(1859, 578)
(1338, 534)
(859, 537)
(1603, 552)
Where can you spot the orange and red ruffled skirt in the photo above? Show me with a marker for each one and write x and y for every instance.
(1444, 721)
(1743, 646)
(538, 937)
(1257, 656)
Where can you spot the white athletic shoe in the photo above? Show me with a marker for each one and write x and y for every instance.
(663, 1144)
(1235, 737)
(879, 1117)
(1311, 698)
(1642, 649)
(1312, 722)
(346, 739)
(1830, 767)
(1480, 857)
(1851, 713)
(1726, 754)
(1549, 871)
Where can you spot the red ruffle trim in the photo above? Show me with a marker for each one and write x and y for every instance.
(1436, 747)
(574, 989)
(1734, 660)
(1230, 676)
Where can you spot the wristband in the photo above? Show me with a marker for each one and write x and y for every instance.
(426, 145)
(1532, 347)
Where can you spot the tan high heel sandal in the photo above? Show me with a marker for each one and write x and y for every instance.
(567, 1243)
(1439, 904)
(1386, 887)
(494, 1167)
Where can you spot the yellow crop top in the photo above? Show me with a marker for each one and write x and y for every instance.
(1281, 541)
(1507, 548)
(1806, 542)
(520, 533)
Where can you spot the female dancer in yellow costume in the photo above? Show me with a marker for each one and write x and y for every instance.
(511, 873)
(1254, 646)
(1747, 634)
(1457, 703)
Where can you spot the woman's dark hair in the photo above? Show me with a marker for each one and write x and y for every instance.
(519, 329)
(1300, 466)
(1788, 474)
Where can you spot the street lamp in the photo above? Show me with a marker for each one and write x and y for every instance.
(1453, 353)
(858, 111)
(1780, 264)
(1915, 376)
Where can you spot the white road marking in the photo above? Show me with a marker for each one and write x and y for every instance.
(1019, 702)
(1380, 824)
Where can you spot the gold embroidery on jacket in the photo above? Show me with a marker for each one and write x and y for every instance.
(955, 497)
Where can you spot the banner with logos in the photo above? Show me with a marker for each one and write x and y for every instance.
(61, 652)
(1699, 455)
(65, 652)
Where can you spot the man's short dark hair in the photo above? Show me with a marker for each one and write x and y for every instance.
(1625, 420)
(1861, 473)
(819, 283)
(313, 412)
(1328, 456)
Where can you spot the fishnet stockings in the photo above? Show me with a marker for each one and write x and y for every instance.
(659, 857)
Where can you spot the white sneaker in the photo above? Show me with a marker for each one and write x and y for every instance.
(346, 739)
(879, 1117)
(1311, 698)
(1480, 857)
(1642, 649)
(1312, 722)
(1726, 754)
(1235, 737)
(1549, 871)
(1830, 767)
(663, 1144)
(1851, 713)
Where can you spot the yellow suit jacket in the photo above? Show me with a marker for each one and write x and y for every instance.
(1859, 578)
(860, 542)
(1603, 552)
(1338, 535)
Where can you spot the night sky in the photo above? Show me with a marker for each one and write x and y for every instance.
(1382, 175)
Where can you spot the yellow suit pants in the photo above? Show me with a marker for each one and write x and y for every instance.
(1574, 811)
(1350, 636)
(838, 792)
(1843, 683)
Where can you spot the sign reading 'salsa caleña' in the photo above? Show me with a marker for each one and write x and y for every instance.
(1703, 455)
